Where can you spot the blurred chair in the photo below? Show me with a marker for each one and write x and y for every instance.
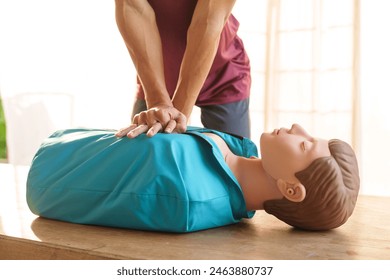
(32, 117)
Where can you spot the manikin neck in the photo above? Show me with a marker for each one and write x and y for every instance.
(256, 184)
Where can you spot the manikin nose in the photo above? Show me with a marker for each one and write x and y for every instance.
(299, 130)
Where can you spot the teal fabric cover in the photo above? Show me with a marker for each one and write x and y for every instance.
(170, 182)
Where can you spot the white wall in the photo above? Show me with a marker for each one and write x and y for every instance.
(375, 93)
(70, 47)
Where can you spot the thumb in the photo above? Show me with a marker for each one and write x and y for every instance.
(181, 123)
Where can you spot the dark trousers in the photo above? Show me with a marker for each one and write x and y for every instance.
(230, 117)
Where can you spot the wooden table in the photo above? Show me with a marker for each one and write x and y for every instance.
(25, 236)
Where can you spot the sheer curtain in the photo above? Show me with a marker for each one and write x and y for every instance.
(307, 66)
(312, 66)
(323, 64)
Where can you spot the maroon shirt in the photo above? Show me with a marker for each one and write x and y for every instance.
(229, 77)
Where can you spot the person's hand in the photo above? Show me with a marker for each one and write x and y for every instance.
(161, 118)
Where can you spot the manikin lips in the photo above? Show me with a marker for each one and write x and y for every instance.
(277, 131)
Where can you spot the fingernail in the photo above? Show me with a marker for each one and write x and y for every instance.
(130, 134)
(149, 133)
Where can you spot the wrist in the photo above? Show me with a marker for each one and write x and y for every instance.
(184, 107)
(158, 100)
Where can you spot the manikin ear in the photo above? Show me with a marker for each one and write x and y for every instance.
(294, 192)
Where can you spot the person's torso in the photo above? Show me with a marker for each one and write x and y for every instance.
(229, 76)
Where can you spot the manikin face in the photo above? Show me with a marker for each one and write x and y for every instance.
(285, 152)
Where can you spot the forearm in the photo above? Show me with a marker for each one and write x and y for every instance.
(198, 57)
(202, 43)
(137, 24)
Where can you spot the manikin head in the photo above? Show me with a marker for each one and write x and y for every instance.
(319, 179)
